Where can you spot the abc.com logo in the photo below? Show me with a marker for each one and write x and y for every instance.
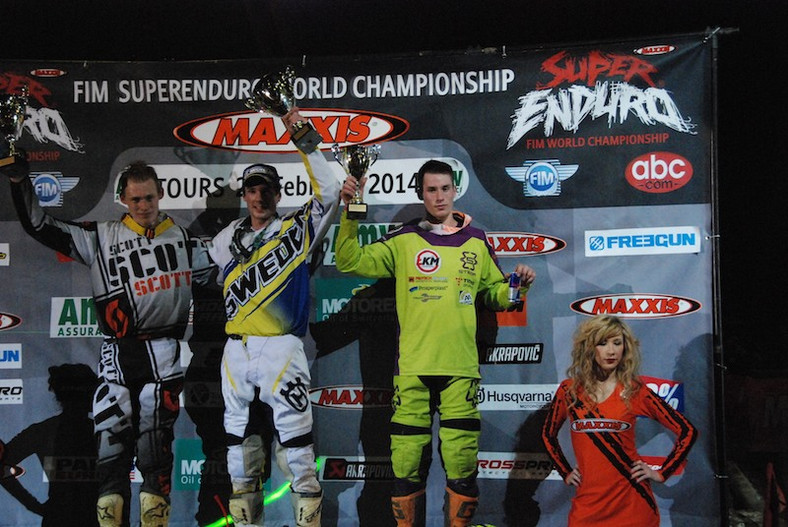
(659, 172)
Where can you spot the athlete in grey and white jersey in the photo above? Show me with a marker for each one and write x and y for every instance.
(142, 268)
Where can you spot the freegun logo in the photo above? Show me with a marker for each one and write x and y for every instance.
(656, 240)
(367, 233)
(513, 354)
(73, 317)
(356, 468)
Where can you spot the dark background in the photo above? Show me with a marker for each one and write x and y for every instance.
(752, 58)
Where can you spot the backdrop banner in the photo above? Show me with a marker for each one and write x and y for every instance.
(591, 163)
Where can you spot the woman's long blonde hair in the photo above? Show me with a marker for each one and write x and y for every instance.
(585, 372)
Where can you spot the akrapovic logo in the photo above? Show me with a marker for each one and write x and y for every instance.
(513, 354)
(650, 240)
(353, 468)
(351, 397)
(636, 305)
(261, 132)
(5, 254)
(523, 243)
(590, 426)
(8, 321)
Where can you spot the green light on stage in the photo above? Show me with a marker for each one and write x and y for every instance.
(272, 497)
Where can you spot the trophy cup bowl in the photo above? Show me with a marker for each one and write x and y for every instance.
(12, 117)
(356, 160)
(274, 95)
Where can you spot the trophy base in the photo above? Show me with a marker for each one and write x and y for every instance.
(307, 139)
(356, 211)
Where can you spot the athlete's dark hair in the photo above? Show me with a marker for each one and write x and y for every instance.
(138, 171)
(433, 166)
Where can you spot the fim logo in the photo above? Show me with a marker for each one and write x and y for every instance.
(541, 177)
(50, 187)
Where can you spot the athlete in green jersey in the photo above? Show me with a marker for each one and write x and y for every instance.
(440, 264)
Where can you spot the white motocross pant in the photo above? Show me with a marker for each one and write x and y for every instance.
(274, 369)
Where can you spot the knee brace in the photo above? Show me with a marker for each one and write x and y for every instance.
(247, 508)
(459, 447)
(246, 463)
(411, 452)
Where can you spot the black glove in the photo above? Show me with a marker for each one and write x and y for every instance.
(15, 167)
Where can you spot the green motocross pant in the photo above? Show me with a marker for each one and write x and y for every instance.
(415, 401)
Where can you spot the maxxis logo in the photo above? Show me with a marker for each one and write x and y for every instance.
(587, 426)
(658, 49)
(523, 243)
(261, 132)
(351, 397)
(635, 305)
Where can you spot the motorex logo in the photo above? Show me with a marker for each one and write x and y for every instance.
(541, 177)
(650, 240)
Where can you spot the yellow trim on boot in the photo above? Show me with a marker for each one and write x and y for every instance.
(109, 510)
(154, 510)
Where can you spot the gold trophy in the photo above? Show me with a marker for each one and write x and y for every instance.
(274, 94)
(356, 160)
(12, 116)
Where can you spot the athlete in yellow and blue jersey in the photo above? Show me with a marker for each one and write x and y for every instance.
(264, 260)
